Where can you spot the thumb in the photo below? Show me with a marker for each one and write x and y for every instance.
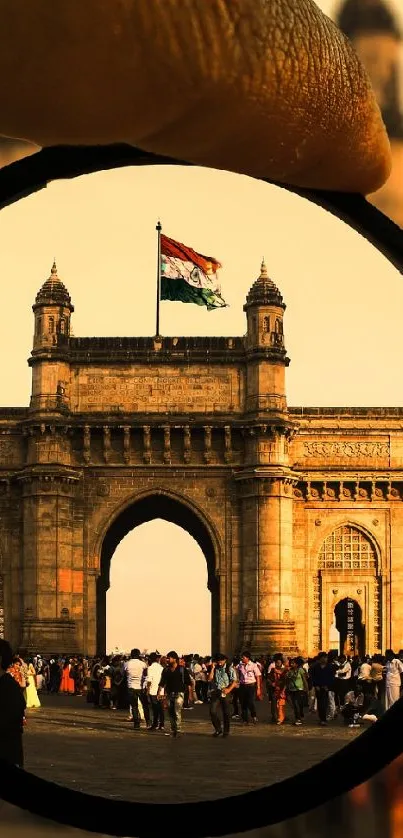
(267, 89)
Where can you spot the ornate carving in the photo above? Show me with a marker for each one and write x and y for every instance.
(107, 443)
(187, 444)
(167, 444)
(147, 444)
(103, 488)
(126, 444)
(346, 449)
(87, 444)
(207, 444)
(316, 612)
(227, 444)
(210, 492)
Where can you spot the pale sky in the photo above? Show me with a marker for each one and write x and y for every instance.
(342, 325)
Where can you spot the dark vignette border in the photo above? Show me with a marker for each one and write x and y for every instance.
(349, 767)
(29, 175)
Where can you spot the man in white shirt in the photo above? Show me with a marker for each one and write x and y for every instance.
(135, 670)
(250, 687)
(153, 679)
(343, 679)
(394, 670)
(200, 677)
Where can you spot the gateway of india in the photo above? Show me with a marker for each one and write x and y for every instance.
(298, 510)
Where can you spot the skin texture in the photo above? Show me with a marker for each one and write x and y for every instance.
(268, 88)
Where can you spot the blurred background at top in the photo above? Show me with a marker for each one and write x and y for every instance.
(375, 28)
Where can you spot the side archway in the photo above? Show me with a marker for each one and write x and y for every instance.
(175, 510)
(348, 568)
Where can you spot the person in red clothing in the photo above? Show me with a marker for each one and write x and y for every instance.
(277, 680)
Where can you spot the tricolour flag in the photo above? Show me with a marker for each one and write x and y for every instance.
(189, 277)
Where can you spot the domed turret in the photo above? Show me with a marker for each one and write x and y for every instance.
(264, 344)
(53, 291)
(52, 309)
(50, 354)
(264, 292)
(265, 308)
(376, 35)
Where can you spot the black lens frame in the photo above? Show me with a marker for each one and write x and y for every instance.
(350, 766)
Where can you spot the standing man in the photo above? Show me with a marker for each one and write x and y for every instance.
(222, 681)
(250, 687)
(153, 679)
(322, 681)
(135, 670)
(174, 681)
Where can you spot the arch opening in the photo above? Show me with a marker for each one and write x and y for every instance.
(146, 510)
(349, 585)
(351, 629)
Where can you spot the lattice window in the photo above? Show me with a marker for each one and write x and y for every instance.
(347, 548)
(1, 608)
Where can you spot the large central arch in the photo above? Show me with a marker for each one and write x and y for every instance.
(176, 510)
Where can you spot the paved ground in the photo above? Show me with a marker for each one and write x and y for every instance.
(97, 751)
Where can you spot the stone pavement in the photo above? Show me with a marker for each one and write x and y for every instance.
(97, 751)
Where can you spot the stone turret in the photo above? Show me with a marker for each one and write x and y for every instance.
(264, 342)
(374, 31)
(49, 358)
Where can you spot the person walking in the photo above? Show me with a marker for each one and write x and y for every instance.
(136, 670)
(277, 681)
(153, 678)
(297, 687)
(174, 680)
(250, 687)
(222, 682)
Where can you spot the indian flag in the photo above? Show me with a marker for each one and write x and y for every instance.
(189, 277)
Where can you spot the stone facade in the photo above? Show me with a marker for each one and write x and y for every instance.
(299, 511)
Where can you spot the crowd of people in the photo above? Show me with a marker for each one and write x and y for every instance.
(153, 686)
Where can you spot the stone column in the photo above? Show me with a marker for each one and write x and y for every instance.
(275, 550)
(268, 622)
(52, 572)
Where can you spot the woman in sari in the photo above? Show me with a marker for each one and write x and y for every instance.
(67, 685)
(32, 699)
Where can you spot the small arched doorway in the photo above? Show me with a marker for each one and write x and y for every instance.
(348, 573)
(173, 510)
(348, 619)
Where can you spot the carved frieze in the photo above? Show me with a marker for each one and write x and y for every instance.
(354, 450)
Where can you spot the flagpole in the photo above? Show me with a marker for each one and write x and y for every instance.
(158, 229)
